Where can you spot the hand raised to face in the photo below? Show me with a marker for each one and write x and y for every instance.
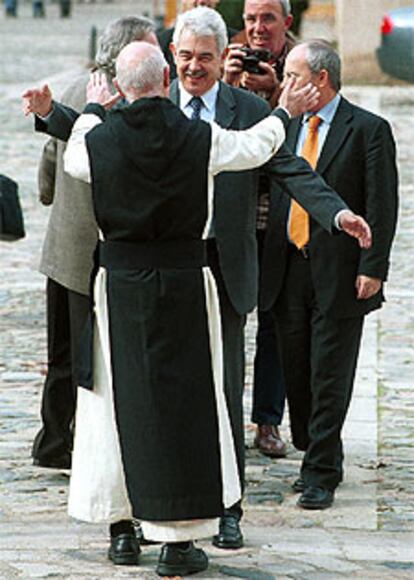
(298, 101)
(98, 91)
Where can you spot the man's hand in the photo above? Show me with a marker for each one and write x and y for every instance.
(357, 227)
(267, 82)
(38, 101)
(233, 65)
(235, 76)
(367, 286)
(298, 101)
(97, 91)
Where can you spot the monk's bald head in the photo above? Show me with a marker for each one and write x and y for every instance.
(140, 70)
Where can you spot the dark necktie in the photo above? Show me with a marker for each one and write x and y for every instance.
(196, 104)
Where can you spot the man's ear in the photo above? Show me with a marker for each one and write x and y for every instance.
(323, 80)
(288, 21)
(166, 80)
(173, 51)
(118, 88)
(222, 59)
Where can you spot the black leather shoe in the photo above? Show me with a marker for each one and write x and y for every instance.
(124, 550)
(62, 462)
(298, 485)
(175, 561)
(229, 536)
(316, 498)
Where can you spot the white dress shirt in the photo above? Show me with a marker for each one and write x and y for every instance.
(209, 99)
(326, 115)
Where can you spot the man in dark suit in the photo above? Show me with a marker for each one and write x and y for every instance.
(321, 286)
(267, 26)
(199, 49)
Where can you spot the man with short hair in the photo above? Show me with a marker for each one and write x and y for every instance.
(267, 24)
(67, 260)
(165, 36)
(323, 286)
(199, 46)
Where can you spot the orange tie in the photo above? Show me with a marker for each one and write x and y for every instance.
(299, 218)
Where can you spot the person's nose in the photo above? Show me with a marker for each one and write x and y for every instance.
(259, 26)
(194, 64)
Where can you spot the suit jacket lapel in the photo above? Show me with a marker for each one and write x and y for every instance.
(225, 107)
(174, 93)
(280, 204)
(293, 133)
(338, 132)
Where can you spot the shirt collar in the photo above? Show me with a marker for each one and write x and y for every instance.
(209, 98)
(327, 113)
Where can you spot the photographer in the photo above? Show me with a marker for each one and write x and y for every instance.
(257, 54)
(255, 61)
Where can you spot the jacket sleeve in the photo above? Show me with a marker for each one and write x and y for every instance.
(298, 180)
(282, 114)
(381, 200)
(240, 150)
(59, 123)
(46, 174)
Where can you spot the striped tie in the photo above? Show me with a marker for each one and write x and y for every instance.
(196, 104)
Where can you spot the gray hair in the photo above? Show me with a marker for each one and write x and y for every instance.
(118, 34)
(202, 21)
(286, 8)
(320, 55)
(145, 76)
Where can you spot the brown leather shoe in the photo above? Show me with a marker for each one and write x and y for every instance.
(269, 442)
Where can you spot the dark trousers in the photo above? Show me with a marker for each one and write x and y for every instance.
(268, 385)
(319, 354)
(233, 346)
(66, 315)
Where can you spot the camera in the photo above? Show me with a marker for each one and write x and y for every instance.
(252, 57)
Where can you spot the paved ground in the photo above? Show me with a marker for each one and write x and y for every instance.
(369, 533)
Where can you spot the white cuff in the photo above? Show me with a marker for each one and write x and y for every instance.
(338, 217)
(46, 118)
(285, 110)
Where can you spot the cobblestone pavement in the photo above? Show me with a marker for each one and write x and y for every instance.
(368, 533)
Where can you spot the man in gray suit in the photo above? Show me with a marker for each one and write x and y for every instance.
(199, 47)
